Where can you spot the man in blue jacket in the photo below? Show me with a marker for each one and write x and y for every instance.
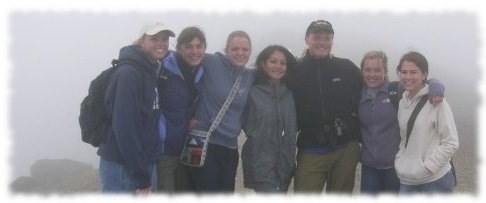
(178, 84)
(128, 156)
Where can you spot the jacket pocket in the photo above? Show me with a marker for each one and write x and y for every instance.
(411, 168)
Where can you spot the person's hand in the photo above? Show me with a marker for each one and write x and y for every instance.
(144, 191)
(435, 100)
(192, 124)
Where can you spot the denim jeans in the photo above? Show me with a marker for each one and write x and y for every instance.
(374, 181)
(442, 185)
(219, 171)
(116, 178)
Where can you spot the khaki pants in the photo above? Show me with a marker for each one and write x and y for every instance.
(335, 169)
(172, 176)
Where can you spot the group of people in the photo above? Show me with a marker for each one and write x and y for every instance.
(310, 119)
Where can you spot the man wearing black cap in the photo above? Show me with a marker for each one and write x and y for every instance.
(327, 93)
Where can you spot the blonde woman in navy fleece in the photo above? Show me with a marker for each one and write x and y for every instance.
(127, 158)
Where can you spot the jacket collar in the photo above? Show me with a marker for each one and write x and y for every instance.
(423, 91)
(383, 88)
(170, 63)
(308, 57)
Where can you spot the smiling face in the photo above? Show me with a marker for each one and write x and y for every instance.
(320, 44)
(239, 51)
(412, 77)
(193, 52)
(155, 46)
(374, 72)
(276, 66)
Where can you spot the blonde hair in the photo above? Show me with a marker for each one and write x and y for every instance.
(237, 33)
(379, 55)
(138, 42)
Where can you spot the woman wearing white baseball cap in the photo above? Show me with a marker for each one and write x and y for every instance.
(127, 157)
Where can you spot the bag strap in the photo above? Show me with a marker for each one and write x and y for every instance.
(416, 110)
(393, 94)
(225, 106)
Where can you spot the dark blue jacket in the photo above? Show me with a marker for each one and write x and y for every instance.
(131, 100)
(176, 105)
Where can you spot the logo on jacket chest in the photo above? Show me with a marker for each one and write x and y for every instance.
(338, 79)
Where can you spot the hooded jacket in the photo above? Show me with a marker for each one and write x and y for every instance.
(268, 155)
(432, 142)
(132, 101)
(176, 104)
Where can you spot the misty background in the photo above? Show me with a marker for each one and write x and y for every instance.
(55, 55)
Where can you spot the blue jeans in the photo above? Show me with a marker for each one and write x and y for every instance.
(219, 170)
(374, 181)
(442, 185)
(116, 178)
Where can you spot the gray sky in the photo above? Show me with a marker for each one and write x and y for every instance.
(52, 57)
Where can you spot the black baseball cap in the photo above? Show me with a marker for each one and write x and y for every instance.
(319, 26)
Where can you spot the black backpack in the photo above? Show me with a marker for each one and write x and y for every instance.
(93, 118)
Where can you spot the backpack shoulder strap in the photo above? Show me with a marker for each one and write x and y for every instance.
(117, 63)
(393, 94)
(411, 120)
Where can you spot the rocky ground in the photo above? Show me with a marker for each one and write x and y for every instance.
(71, 177)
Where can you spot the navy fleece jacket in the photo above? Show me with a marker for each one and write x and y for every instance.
(131, 100)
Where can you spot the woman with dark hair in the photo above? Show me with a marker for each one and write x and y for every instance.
(268, 154)
(179, 81)
(423, 159)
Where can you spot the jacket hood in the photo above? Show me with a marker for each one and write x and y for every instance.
(408, 101)
(272, 88)
(170, 63)
(227, 63)
(136, 55)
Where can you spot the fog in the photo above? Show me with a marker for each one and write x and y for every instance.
(55, 55)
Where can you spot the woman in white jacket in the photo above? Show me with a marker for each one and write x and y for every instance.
(422, 162)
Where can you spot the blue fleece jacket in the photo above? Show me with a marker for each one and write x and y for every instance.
(176, 105)
(218, 78)
(131, 100)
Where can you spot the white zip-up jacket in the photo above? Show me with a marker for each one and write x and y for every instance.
(432, 143)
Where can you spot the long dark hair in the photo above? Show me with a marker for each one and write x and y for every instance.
(261, 76)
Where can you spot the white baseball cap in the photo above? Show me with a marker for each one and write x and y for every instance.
(154, 28)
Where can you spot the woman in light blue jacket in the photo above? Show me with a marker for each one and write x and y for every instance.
(221, 70)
